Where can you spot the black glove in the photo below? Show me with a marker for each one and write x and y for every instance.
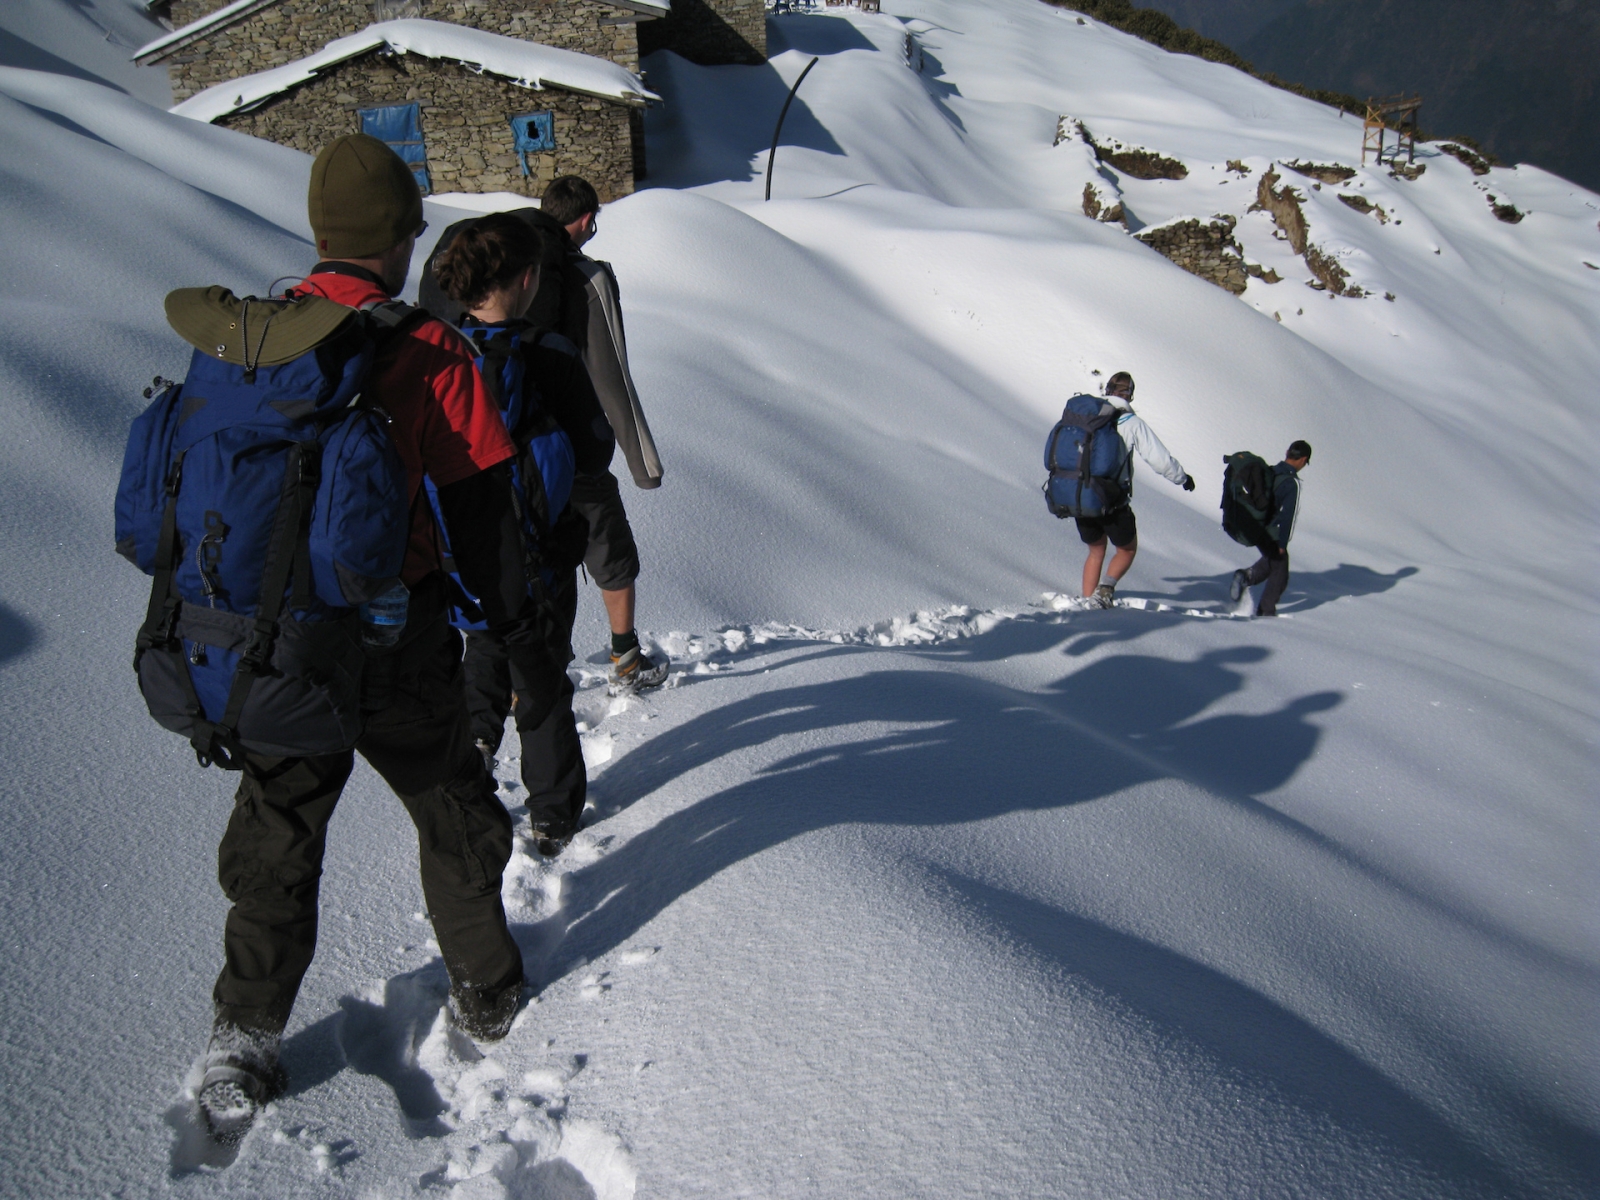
(1188, 483)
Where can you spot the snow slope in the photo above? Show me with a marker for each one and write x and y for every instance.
(997, 898)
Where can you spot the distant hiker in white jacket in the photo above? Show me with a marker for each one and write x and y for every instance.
(1119, 527)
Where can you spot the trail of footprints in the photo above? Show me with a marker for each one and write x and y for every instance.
(509, 1134)
(505, 1134)
(512, 1138)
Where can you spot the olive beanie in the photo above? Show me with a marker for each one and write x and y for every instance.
(363, 198)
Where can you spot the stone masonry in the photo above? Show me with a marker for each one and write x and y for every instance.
(464, 116)
(293, 29)
(465, 124)
(1203, 248)
(710, 32)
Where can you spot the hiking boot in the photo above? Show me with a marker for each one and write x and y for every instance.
(550, 841)
(1105, 596)
(633, 671)
(1241, 581)
(242, 1076)
(484, 1015)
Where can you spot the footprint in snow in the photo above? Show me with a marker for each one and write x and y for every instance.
(530, 1149)
(384, 1031)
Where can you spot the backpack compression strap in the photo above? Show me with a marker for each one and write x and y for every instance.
(288, 553)
(162, 613)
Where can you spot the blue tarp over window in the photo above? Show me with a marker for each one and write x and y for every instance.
(535, 133)
(400, 125)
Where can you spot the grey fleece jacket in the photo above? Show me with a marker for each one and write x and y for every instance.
(605, 353)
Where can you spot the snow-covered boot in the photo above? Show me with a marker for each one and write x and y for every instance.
(1105, 596)
(550, 841)
(1241, 581)
(242, 1076)
(633, 671)
(485, 1015)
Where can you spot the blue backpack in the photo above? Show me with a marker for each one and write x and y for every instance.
(543, 470)
(266, 498)
(1085, 456)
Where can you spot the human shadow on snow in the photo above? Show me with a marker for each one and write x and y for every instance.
(959, 749)
(17, 634)
(1307, 589)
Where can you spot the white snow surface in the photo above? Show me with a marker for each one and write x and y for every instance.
(527, 64)
(919, 878)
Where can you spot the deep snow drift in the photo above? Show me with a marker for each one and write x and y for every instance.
(920, 880)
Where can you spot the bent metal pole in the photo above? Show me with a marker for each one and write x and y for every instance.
(778, 128)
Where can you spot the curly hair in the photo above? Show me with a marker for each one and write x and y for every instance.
(486, 256)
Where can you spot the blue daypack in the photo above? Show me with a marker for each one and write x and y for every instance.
(1085, 456)
(543, 470)
(268, 501)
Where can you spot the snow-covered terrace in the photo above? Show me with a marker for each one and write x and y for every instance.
(527, 64)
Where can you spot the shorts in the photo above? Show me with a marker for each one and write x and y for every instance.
(1119, 526)
(612, 558)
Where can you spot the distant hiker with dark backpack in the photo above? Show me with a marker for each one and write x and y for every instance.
(492, 267)
(299, 606)
(1259, 508)
(578, 298)
(1089, 454)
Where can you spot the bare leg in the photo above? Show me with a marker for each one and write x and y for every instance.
(619, 608)
(1092, 565)
(1121, 561)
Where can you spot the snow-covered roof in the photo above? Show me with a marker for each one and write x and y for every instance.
(195, 30)
(240, 9)
(527, 64)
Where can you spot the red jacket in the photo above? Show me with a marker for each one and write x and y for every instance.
(443, 420)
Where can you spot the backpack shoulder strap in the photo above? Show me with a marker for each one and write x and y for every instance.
(392, 315)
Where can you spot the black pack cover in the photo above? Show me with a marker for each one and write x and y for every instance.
(1247, 499)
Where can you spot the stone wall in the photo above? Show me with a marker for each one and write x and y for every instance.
(465, 124)
(1203, 248)
(710, 32)
(1283, 205)
(293, 29)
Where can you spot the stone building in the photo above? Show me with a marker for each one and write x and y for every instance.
(710, 32)
(218, 40)
(230, 38)
(472, 111)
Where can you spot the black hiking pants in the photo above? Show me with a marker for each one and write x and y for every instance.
(1273, 570)
(270, 860)
(552, 756)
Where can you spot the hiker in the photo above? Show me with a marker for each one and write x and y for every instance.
(492, 268)
(578, 298)
(1113, 519)
(1272, 539)
(424, 412)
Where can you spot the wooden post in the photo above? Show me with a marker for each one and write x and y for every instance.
(1403, 110)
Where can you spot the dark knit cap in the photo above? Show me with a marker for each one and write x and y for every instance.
(363, 198)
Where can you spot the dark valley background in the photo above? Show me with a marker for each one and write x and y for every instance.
(1517, 76)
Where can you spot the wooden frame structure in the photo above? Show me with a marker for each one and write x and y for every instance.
(1392, 112)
